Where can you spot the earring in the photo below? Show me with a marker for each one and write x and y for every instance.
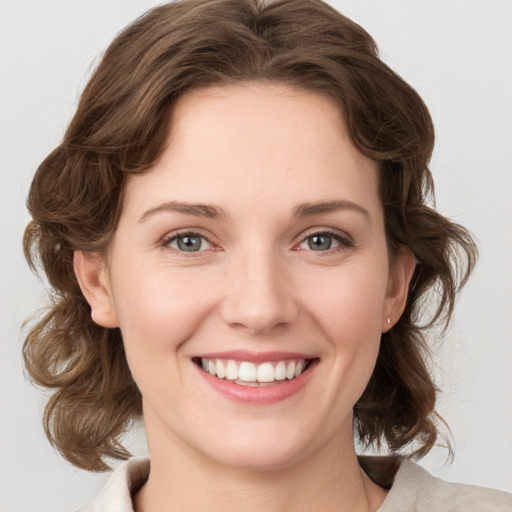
(388, 320)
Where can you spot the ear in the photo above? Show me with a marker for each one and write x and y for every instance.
(92, 275)
(398, 287)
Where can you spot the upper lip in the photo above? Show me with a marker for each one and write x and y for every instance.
(255, 357)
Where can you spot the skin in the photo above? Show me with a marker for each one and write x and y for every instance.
(257, 151)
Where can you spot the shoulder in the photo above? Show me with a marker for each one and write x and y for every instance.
(416, 489)
(116, 496)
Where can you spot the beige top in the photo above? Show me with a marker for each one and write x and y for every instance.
(413, 489)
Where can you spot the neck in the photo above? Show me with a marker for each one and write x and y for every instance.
(328, 480)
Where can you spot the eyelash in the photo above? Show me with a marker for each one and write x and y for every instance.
(167, 240)
(345, 242)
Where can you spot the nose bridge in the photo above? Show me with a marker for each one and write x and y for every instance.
(259, 296)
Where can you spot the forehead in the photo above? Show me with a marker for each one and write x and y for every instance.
(254, 143)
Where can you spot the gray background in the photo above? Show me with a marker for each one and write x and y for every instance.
(457, 54)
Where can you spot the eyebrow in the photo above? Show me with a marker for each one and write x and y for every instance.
(215, 212)
(198, 210)
(319, 207)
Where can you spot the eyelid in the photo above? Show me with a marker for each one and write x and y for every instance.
(344, 239)
(169, 237)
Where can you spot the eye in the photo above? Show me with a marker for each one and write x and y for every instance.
(188, 242)
(324, 241)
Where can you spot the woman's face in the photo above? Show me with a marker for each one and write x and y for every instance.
(254, 247)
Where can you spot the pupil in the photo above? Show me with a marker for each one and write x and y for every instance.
(319, 242)
(189, 243)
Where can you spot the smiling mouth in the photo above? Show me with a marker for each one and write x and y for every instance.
(246, 373)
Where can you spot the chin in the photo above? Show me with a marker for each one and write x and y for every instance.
(258, 451)
(253, 459)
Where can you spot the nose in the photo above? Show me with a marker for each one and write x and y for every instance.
(259, 295)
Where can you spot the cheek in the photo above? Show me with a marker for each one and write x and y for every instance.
(349, 304)
(347, 311)
(160, 310)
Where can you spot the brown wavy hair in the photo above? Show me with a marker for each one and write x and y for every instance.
(120, 127)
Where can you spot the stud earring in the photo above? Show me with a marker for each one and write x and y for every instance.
(388, 320)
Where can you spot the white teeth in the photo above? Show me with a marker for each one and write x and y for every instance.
(247, 372)
(221, 371)
(265, 372)
(299, 368)
(280, 371)
(290, 370)
(232, 371)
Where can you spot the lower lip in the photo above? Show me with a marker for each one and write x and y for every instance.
(263, 395)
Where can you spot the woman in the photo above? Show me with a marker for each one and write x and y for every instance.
(237, 229)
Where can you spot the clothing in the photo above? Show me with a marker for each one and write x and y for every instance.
(412, 489)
